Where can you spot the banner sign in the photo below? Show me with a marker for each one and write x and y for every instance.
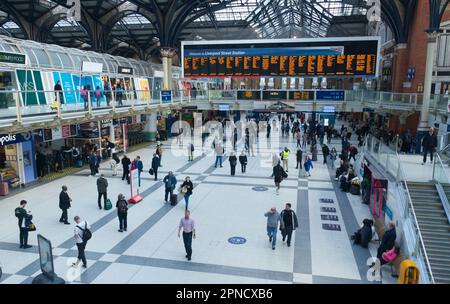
(8, 139)
(13, 58)
(330, 95)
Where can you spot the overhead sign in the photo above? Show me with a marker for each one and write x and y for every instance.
(92, 67)
(224, 107)
(331, 57)
(330, 95)
(166, 96)
(329, 109)
(15, 58)
(8, 139)
(125, 70)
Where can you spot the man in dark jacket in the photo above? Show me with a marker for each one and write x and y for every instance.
(92, 162)
(138, 165)
(24, 218)
(64, 204)
(289, 223)
(388, 240)
(243, 161)
(325, 152)
(429, 143)
(102, 186)
(299, 158)
(170, 182)
(233, 163)
(126, 162)
(155, 165)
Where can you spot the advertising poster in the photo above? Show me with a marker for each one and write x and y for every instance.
(144, 87)
(67, 86)
(77, 86)
(39, 87)
(26, 84)
(65, 131)
(134, 182)
(98, 83)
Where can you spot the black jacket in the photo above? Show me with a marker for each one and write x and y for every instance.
(243, 159)
(156, 162)
(189, 186)
(289, 219)
(64, 200)
(126, 162)
(388, 240)
(233, 160)
(325, 150)
(278, 173)
(429, 141)
(299, 155)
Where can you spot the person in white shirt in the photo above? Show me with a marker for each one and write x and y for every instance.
(79, 230)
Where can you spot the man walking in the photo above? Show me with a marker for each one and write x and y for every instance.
(155, 165)
(429, 143)
(126, 168)
(325, 152)
(81, 232)
(138, 166)
(102, 186)
(188, 226)
(289, 222)
(273, 218)
(24, 218)
(169, 182)
(64, 204)
(278, 174)
(218, 148)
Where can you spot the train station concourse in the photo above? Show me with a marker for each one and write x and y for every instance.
(258, 142)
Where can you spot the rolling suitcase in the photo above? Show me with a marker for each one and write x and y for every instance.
(174, 199)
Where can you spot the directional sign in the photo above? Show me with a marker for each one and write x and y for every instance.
(329, 217)
(166, 96)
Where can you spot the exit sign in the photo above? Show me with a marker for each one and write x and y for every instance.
(13, 58)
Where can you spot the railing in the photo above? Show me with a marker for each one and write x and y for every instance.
(442, 177)
(390, 161)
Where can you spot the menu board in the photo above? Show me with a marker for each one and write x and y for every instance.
(329, 57)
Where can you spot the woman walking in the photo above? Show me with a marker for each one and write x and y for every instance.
(122, 212)
(333, 156)
(186, 190)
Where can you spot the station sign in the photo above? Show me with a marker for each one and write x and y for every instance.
(15, 58)
(125, 70)
(8, 139)
(166, 96)
(330, 95)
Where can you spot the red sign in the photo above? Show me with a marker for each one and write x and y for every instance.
(65, 131)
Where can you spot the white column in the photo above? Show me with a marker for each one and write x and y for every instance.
(150, 127)
(166, 56)
(431, 51)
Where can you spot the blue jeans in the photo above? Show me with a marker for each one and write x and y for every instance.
(218, 159)
(272, 232)
(186, 199)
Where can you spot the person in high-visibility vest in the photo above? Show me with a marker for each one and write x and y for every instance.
(285, 158)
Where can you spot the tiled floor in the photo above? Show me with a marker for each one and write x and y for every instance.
(223, 206)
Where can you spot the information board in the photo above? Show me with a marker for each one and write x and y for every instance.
(331, 57)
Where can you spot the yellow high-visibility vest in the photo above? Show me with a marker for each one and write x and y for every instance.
(285, 154)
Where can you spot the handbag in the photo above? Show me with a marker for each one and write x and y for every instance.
(31, 227)
(184, 190)
(151, 171)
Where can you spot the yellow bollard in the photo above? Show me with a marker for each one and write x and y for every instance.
(409, 273)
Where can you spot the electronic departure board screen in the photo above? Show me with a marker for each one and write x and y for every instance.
(328, 57)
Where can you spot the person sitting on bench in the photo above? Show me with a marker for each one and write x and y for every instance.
(364, 234)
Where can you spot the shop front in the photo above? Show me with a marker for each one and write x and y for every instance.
(17, 164)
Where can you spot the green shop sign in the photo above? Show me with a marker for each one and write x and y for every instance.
(12, 58)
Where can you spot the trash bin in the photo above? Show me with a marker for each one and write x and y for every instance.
(409, 273)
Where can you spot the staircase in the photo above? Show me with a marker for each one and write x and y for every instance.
(434, 227)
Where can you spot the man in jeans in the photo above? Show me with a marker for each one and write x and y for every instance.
(102, 186)
(170, 182)
(273, 217)
(218, 148)
(289, 222)
(80, 227)
(23, 217)
(188, 226)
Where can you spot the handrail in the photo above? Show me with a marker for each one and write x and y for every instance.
(402, 180)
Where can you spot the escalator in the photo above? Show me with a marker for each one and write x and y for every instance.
(434, 227)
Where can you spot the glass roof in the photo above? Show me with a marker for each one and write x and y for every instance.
(285, 18)
(10, 25)
(67, 23)
(135, 19)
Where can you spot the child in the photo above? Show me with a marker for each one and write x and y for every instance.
(308, 165)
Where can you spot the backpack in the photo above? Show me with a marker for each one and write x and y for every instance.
(122, 206)
(87, 234)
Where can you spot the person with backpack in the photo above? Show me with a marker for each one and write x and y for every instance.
(82, 235)
(308, 165)
(64, 204)
(191, 152)
(186, 190)
(243, 162)
(102, 187)
(24, 218)
(155, 165)
(279, 174)
(126, 162)
(122, 212)
(233, 163)
(169, 182)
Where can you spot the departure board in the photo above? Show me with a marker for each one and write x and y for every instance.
(331, 57)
